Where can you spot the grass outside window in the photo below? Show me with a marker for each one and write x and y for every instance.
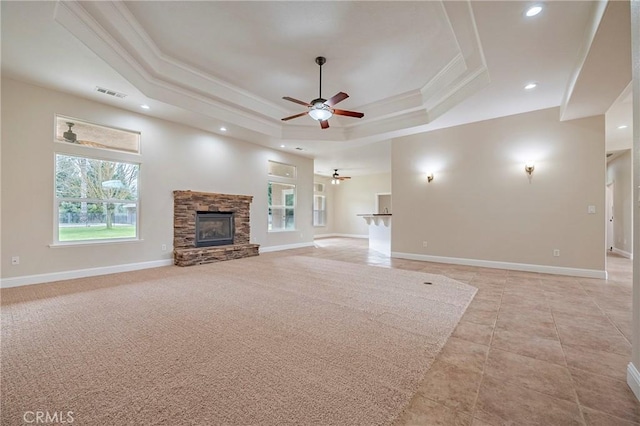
(96, 232)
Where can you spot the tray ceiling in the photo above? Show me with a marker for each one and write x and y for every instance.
(409, 66)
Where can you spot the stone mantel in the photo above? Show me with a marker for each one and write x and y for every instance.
(185, 206)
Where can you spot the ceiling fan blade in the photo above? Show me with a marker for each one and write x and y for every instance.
(338, 97)
(294, 116)
(324, 124)
(348, 113)
(296, 101)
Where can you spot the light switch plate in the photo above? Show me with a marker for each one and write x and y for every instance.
(591, 209)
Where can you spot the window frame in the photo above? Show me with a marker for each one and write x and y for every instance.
(105, 149)
(284, 207)
(97, 154)
(323, 211)
(293, 167)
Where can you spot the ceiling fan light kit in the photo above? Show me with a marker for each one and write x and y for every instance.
(320, 109)
(321, 112)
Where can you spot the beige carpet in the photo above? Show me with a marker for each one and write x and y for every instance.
(265, 340)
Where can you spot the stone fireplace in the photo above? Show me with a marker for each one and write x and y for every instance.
(211, 227)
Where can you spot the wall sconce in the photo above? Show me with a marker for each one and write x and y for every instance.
(529, 168)
(429, 177)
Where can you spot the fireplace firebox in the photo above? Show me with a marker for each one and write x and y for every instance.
(214, 229)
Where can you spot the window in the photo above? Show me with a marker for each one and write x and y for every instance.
(319, 210)
(95, 199)
(282, 170)
(282, 206)
(318, 187)
(77, 132)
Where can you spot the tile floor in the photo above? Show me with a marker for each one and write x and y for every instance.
(532, 349)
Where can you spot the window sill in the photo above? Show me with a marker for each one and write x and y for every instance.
(85, 243)
(279, 231)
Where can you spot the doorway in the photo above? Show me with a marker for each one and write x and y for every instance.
(609, 216)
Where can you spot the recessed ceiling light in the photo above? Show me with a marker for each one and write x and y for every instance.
(223, 129)
(282, 146)
(624, 126)
(533, 11)
(530, 86)
(145, 106)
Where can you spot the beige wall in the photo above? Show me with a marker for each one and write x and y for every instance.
(619, 173)
(174, 157)
(358, 196)
(481, 204)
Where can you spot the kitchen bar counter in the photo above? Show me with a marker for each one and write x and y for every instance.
(379, 231)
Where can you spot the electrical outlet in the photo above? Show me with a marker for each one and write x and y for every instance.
(556, 253)
(15, 260)
(164, 247)
(424, 244)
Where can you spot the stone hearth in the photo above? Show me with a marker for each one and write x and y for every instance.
(185, 206)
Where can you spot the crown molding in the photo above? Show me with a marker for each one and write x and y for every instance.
(111, 31)
(149, 80)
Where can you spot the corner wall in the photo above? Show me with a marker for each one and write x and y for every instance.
(619, 173)
(173, 157)
(481, 205)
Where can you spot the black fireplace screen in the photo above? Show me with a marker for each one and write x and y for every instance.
(214, 229)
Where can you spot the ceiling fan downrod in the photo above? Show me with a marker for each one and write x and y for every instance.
(320, 60)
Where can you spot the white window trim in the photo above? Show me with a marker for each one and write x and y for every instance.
(107, 155)
(286, 178)
(95, 148)
(324, 204)
(284, 206)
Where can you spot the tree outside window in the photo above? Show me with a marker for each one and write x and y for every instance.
(96, 199)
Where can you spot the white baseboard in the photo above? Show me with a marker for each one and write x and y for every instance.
(545, 269)
(81, 273)
(633, 379)
(318, 236)
(623, 253)
(342, 236)
(285, 247)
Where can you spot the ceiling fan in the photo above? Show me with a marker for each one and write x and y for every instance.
(336, 178)
(322, 109)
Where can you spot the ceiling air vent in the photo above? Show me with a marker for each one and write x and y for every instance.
(299, 149)
(110, 92)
